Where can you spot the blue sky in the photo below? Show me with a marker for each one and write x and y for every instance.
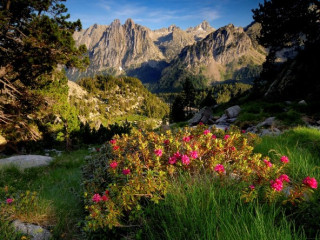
(156, 14)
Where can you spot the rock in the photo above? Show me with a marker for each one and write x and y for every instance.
(223, 119)
(303, 103)
(252, 129)
(274, 132)
(231, 120)
(233, 111)
(268, 122)
(288, 102)
(202, 116)
(318, 122)
(37, 232)
(87, 157)
(26, 161)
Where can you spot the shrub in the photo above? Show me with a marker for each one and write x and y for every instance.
(133, 169)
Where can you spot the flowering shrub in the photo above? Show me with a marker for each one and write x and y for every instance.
(133, 168)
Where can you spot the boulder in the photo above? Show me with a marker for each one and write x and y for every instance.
(26, 161)
(233, 111)
(231, 120)
(223, 119)
(37, 232)
(268, 122)
(202, 116)
(302, 102)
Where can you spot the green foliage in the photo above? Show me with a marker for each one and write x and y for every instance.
(134, 169)
(36, 37)
(125, 95)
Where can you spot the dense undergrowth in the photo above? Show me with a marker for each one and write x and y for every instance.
(195, 206)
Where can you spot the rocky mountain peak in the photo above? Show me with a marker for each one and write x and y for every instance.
(115, 24)
(129, 23)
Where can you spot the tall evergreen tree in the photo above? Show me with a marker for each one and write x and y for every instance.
(35, 38)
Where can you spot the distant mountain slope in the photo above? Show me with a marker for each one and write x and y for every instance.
(133, 49)
(228, 53)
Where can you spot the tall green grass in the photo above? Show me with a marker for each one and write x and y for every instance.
(200, 208)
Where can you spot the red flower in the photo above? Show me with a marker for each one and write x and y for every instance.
(310, 182)
(214, 137)
(107, 192)
(116, 148)
(284, 159)
(207, 131)
(276, 185)
(104, 198)
(243, 131)
(226, 137)
(185, 160)
(113, 164)
(113, 141)
(186, 139)
(96, 198)
(177, 155)
(268, 163)
(9, 200)
(172, 160)
(126, 171)
(219, 168)
(252, 187)
(158, 152)
(284, 178)
(200, 123)
(167, 142)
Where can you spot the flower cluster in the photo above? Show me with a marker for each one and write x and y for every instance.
(143, 164)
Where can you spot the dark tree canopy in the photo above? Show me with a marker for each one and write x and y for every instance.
(35, 39)
(287, 23)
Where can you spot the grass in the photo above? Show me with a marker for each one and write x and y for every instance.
(199, 208)
(58, 187)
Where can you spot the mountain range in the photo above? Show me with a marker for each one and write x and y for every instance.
(163, 58)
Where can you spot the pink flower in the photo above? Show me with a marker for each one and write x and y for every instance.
(268, 163)
(310, 182)
(177, 155)
(113, 164)
(214, 137)
(207, 131)
(166, 142)
(200, 123)
(252, 187)
(185, 160)
(96, 198)
(284, 159)
(9, 200)
(115, 148)
(172, 160)
(113, 141)
(219, 168)
(226, 137)
(194, 154)
(233, 148)
(276, 185)
(158, 152)
(126, 171)
(284, 178)
(104, 198)
(186, 139)
(243, 131)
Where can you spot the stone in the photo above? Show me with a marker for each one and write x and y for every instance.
(37, 232)
(233, 111)
(223, 119)
(26, 161)
(268, 122)
(202, 116)
(231, 120)
(318, 122)
(303, 103)
(288, 102)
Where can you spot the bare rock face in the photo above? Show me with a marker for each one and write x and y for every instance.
(26, 161)
(35, 231)
(226, 53)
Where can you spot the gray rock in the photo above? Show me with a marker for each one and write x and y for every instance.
(268, 122)
(26, 161)
(233, 111)
(202, 116)
(37, 232)
(270, 132)
(223, 119)
(253, 129)
(231, 120)
(302, 102)
(318, 122)
(288, 102)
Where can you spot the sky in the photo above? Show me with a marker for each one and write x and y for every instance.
(156, 14)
